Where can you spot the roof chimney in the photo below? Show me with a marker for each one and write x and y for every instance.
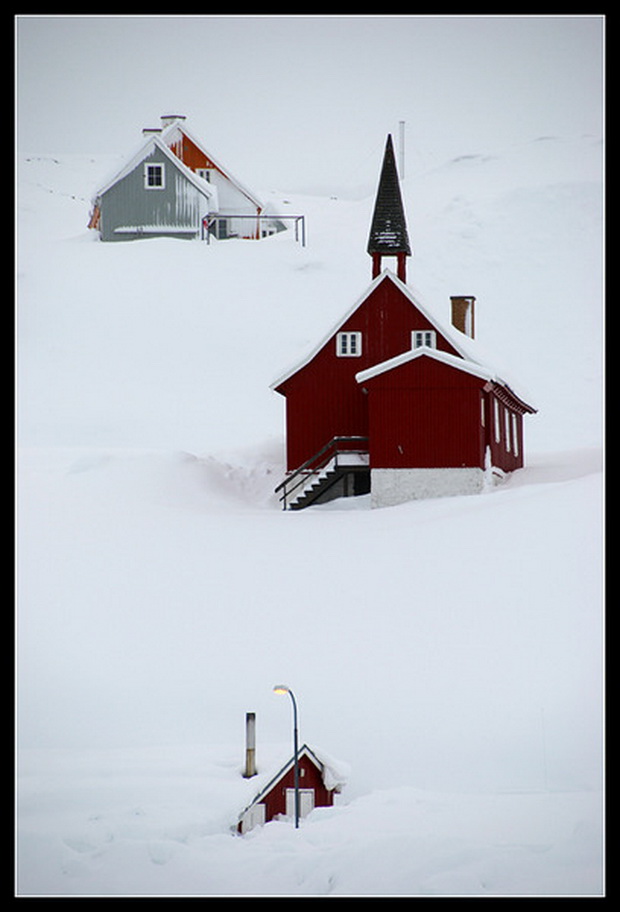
(167, 119)
(148, 131)
(250, 745)
(463, 314)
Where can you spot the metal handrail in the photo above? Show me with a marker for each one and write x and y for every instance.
(304, 470)
(211, 217)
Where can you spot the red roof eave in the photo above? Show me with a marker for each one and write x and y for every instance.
(509, 398)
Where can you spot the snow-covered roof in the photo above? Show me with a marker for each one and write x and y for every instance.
(462, 364)
(469, 359)
(168, 135)
(386, 274)
(333, 773)
(154, 141)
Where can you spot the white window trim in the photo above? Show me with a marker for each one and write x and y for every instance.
(418, 334)
(515, 434)
(496, 421)
(344, 349)
(507, 422)
(162, 171)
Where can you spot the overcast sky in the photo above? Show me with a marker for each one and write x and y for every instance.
(305, 103)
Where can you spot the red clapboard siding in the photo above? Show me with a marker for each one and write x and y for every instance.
(323, 398)
(425, 414)
(309, 777)
(503, 434)
(190, 154)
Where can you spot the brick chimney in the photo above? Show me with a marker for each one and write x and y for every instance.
(463, 314)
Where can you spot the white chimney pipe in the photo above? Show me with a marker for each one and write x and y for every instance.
(250, 745)
(167, 119)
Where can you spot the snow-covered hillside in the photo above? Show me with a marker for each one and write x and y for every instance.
(448, 652)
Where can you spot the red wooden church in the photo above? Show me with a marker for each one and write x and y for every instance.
(391, 402)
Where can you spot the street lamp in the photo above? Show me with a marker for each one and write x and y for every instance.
(283, 689)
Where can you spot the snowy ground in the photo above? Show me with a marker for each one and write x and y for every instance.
(449, 652)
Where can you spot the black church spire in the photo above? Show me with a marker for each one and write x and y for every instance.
(388, 229)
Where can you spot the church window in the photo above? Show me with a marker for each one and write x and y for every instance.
(349, 344)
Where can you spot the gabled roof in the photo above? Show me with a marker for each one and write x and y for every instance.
(424, 351)
(167, 136)
(461, 364)
(154, 141)
(385, 275)
(388, 229)
(332, 778)
(463, 345)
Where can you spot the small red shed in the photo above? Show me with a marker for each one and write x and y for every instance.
(391, 402)
(318, 784)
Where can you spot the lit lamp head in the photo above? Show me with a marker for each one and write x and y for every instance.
(281, 689)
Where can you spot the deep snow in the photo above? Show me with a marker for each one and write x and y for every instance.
(449, 652)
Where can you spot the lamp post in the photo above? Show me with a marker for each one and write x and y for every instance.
(282, 689)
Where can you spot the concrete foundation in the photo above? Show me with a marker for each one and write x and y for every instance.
(393, 486)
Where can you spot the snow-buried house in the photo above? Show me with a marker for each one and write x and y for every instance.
(391, 402)
(173, 187)
(320, 779)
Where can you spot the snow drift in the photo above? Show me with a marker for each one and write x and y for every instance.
(449, 652)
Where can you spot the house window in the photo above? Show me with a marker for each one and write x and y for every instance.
(204, 173)
(421, 337)
(349, 344)
(496, 421)
(515, 435)
(507, 420)
(154, 177)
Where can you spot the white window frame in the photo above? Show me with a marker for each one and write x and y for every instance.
(204, 173)
(421, 338)
(515, 434)
(497, 421)
(154, 166)
(507, 428)
(349, 344)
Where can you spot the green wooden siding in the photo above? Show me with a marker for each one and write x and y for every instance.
(130, 210)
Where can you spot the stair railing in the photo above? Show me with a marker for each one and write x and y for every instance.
(313, 466)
